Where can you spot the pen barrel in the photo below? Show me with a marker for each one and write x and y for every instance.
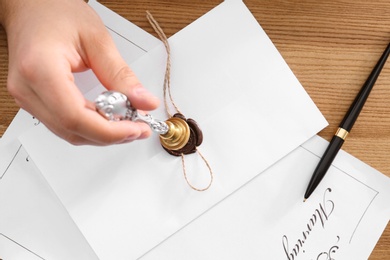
(346, 125)
(358, 103)
(324, 164)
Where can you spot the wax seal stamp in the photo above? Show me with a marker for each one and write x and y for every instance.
(175, 133)
(179, 136)
(195, 137)
(115, 106)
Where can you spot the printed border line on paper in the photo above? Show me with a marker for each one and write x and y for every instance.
(20, 245)
(120, 35)
(364, 184)
(9, 165)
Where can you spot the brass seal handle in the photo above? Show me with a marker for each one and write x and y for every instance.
(115, 106)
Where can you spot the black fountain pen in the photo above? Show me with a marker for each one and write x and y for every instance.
(345, 126)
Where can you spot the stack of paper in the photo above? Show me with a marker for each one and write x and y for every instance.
(124, 201)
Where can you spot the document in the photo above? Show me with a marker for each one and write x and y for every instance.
(131, 41)
(33, 222)
(12, 249)
(228, 76)
(131, 201)
(267, 218)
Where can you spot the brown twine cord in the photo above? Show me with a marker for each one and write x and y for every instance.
(167, 79)
(167, 92)
(208, 166)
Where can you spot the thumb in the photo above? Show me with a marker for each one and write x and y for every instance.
(113, 72)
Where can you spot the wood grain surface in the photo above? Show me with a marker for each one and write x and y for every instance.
(331, 46)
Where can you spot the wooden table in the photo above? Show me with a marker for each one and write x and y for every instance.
(331, 46)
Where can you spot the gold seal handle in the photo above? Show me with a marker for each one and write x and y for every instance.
(115, 106)
(178, 134)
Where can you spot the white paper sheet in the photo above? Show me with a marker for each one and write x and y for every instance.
(227, 75)
(33, 222)
(131, 41)
(9, 144)
(267, 219)
(12, 249)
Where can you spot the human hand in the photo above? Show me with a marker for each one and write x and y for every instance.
(47, 41)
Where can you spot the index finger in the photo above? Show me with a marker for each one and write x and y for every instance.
(73, 117)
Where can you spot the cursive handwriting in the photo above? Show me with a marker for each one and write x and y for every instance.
(37, 122)
(320, 216)
(329, 255)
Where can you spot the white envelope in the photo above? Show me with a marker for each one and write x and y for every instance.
(229, 77)
(267, 219)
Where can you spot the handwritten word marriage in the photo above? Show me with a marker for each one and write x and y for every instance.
(320, 216)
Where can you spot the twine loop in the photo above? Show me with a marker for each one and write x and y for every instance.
(168, 96)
